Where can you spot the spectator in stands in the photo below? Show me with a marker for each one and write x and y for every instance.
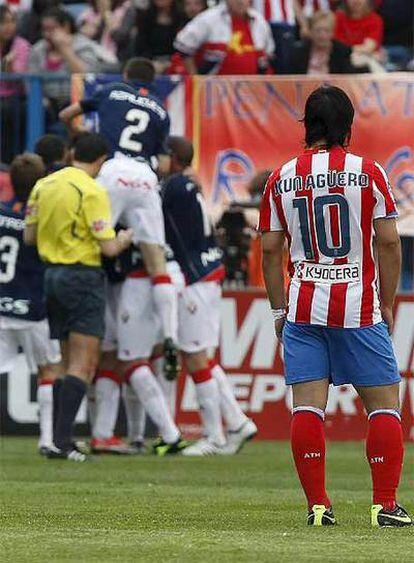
(30, 22)
(14, 57)
(110, 23)
(320, 54)
(359, 27)
(194, 7)
(54, 152)
(65, 51)
(230, 38)
(398, 16)
(156, 30)
(305, 10)
(281, 16)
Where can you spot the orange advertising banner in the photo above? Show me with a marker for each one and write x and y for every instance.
(242, 125)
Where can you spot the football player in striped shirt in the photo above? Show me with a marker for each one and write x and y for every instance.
(332, 207)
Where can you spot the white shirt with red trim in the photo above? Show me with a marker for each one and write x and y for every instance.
(211, 32)
(326, 203)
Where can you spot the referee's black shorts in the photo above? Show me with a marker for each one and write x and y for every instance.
(75, 297)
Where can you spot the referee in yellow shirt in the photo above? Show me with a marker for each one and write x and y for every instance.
(69, 219)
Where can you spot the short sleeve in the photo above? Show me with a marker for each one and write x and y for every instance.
(162, 147)
(193, 35)
(92, 103)
(385, 206)
(269, 218)
(32, 207)
(97, 211)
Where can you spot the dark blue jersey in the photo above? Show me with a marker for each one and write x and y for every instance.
(130, 261)
(131, 119)
(188, 230)
(21, 271)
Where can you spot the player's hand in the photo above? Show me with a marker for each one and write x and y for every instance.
(125, 238)
(388, 318)
(279, 326)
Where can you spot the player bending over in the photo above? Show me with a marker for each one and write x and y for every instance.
(332, 206)
(189, 234)
(136, 125)
(23, 321)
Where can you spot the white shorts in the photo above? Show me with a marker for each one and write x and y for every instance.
(139, 327)
(199, 316)
(112, 293)
(33, 337)
(135, 200)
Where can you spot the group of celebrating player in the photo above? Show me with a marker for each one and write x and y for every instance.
(158, 302)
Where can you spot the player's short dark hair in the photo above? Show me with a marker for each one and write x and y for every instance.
(62, 17)
(51, 149)
(140, 69)
(88, 147)
(182, 149)
(329, 114)
(25, 170)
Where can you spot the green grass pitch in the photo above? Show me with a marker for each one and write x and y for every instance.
(221, 509)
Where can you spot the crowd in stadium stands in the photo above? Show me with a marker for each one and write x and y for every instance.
(189, 36)
(193, 37)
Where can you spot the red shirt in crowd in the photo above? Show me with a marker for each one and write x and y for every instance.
(242, 57)
(354, 32)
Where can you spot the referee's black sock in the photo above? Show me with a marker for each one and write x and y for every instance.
(72, 391)
(57, 385)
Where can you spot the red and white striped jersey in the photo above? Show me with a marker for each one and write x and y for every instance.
(326, 202)
(283, 11)
(310, 7)
(276, 11)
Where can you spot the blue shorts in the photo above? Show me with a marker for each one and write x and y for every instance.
(359, 356)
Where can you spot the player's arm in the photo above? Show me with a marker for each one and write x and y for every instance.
(97, 212)
(389, 264)
(273, 243)
(69, 113)
(31, 218)
(30, 235)
(387, 241)
(113, 247)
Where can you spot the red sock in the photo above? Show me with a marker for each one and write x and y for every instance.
(308, 447)
(385, 453)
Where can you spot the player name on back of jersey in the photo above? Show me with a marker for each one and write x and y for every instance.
(142, 101)
(11, 223)
(332, 179)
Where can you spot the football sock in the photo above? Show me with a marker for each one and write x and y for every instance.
(233, 415)
(57, 385)
(135, 414)
(107, 395)
(308, 448)
(147, 388)
(165, 299)
(45, 403)
(90, 394)
(208, 397)
(385, 454)
(71, 394)
(169, 388)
